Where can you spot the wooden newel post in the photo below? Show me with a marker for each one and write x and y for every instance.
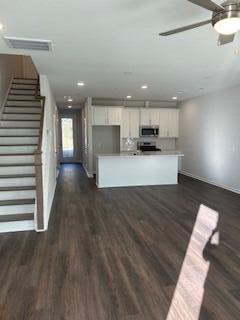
(39, 189)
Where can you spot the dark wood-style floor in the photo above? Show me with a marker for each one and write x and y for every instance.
(126, 253)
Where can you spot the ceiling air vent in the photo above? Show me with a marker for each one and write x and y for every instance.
(29, 44)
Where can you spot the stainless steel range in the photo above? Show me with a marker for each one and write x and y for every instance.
(147, 146)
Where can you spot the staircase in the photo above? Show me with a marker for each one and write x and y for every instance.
(19, 138)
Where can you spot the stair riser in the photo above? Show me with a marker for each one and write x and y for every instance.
(22, 92)
(17, 182)
(17, 159)
(22, 110)
(17, 149)
(20, 132)
(20, 97)
(18, 170)
(25, 81)
(20, 124)
(17, 209)
(17, 226)
(23, 103)
(23, 86)
(20, 194)
(21, 116)
(20, 140)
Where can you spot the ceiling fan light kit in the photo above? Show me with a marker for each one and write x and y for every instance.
(225, 19)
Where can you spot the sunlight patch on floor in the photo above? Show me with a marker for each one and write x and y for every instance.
(189, 292)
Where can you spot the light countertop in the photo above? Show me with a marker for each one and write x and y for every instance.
(142, 154)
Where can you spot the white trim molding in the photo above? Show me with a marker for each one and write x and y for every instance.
(185, 173)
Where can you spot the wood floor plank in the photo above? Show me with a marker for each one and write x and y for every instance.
(120, 254)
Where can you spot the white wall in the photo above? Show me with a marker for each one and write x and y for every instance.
(87, 137)
(210, 138)
(49, 148)
(28, 68)
(10, 65)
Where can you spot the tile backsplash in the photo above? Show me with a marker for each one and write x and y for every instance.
(162, 143)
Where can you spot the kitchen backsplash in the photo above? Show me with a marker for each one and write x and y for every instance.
(164, 144)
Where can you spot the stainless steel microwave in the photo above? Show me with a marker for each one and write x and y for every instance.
(149, 131)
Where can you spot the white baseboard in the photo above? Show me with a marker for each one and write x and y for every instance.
(90, 175)
(185, 173)
(15, 226)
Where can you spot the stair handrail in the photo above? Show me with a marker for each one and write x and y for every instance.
(6, 97)
(38, 165)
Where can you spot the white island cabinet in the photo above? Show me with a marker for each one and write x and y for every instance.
(129, 169)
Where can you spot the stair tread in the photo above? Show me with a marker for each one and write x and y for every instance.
(16, 202)
(16, 217)
(18, 144)
(17, 154)
(21, 188)
(21, 94)
(13, 176)
(31, 113)
(17, 164)
(26, 88)
(37, 100)
(28, 106)
(20, 120)
(21, 78)
(16, 128)
(20, 136)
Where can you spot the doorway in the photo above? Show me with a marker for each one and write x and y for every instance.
(67, 142)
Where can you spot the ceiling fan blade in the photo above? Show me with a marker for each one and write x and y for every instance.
(224, 39)
(191, 26)
(209, 5)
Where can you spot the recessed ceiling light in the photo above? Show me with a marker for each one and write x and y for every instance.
(70, 99)
(80, 83)
(69, 107)
(180, 92)
(129, 97)
(1, 26)
(174, 98)
(144, 86)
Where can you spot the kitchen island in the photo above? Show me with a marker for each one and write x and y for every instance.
(137, 169)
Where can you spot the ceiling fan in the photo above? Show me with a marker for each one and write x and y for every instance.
(225, 19)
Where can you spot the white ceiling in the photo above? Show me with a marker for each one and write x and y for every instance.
(113, 45)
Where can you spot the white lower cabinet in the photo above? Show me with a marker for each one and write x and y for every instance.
(130, 123)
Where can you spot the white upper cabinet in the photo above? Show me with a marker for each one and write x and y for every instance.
(114, 116)
(130, 123)
(149, 117)
(145, 117)
(164, 123)
(169, 123)
(103, 116)
(134, 123)
(99, 116)
(174, 123)
(154, 117)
